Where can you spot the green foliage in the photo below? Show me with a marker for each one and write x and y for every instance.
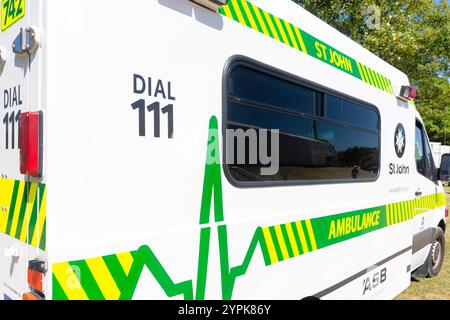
(414, 36)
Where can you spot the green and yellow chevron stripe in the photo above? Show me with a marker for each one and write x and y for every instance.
(23, 211)
(293, 239)
(251, 16)
(102, 278)
(116, 276)
(289, 240)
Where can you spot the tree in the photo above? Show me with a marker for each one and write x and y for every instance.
(413, 36)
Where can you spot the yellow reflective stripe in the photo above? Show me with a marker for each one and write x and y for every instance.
(17, 208)
(280, 238)
(311, 235)
(260, 19)
(302, 237)
(388, 218)
(6, 193)
(395, 213)
(391, 213)
(385, 84)
(360, 71)
(377, 76)
(69, 281)
(280, 27)
(271, 26)
(291, 35)
(270, 245)
(103, 278)
(292, 239)
(299, 36)
(249, 15)
(39, 229)
(126, 261)
(367, 74)
(227, 11)
(238, 12)
(29, 212)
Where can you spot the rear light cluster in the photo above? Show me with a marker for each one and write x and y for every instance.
(36, 272)
(31, 143)
(408, 93)
(446, 212)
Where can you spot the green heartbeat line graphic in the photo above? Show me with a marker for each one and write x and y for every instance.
(212, 194)
(144, 257)
(212, 187)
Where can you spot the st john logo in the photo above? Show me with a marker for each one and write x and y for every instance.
(400, 140)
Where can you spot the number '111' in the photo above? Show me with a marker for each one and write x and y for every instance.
(156, 109)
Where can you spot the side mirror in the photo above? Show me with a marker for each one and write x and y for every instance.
(444, 172)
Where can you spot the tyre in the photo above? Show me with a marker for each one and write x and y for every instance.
(437, 252)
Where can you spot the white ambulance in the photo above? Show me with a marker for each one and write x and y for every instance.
(207, 149)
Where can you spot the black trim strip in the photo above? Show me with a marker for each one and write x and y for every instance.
(360, 274)
(422, 239)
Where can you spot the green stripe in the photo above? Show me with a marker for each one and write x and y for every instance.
(372, 77)
(297, 238)
(255, 17)
(34, 213)
(115, 268)
(287, 241)
(42, 243)
(233, 11)
(367, 74)
(348, 65)
(272, 18)
(23, 208)
(57, 291)
(12, 207)
(377, 79)
(305, 231)
(283, 25)
(297, 40)
(261, 12)
(87, 280)
(276, 244)
(386, 84)
(247, 21)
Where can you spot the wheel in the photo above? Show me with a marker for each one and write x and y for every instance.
(436, 253)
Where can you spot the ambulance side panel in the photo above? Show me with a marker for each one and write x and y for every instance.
(133, 111)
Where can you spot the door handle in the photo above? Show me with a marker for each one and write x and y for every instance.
(418, 193)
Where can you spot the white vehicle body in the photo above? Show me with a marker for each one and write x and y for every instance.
(438, 151)
(122, 214)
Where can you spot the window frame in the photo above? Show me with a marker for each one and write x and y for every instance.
(239, 60)
(425, 141)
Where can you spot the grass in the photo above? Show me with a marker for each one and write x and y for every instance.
(437, 288)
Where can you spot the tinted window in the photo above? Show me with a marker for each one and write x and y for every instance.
(337, 140)
(420, 159)
(345, 111)
(424, 156)
(255, 86)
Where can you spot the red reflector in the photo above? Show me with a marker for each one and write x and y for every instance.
(446, 212)
(35, 279)
(30, 143)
